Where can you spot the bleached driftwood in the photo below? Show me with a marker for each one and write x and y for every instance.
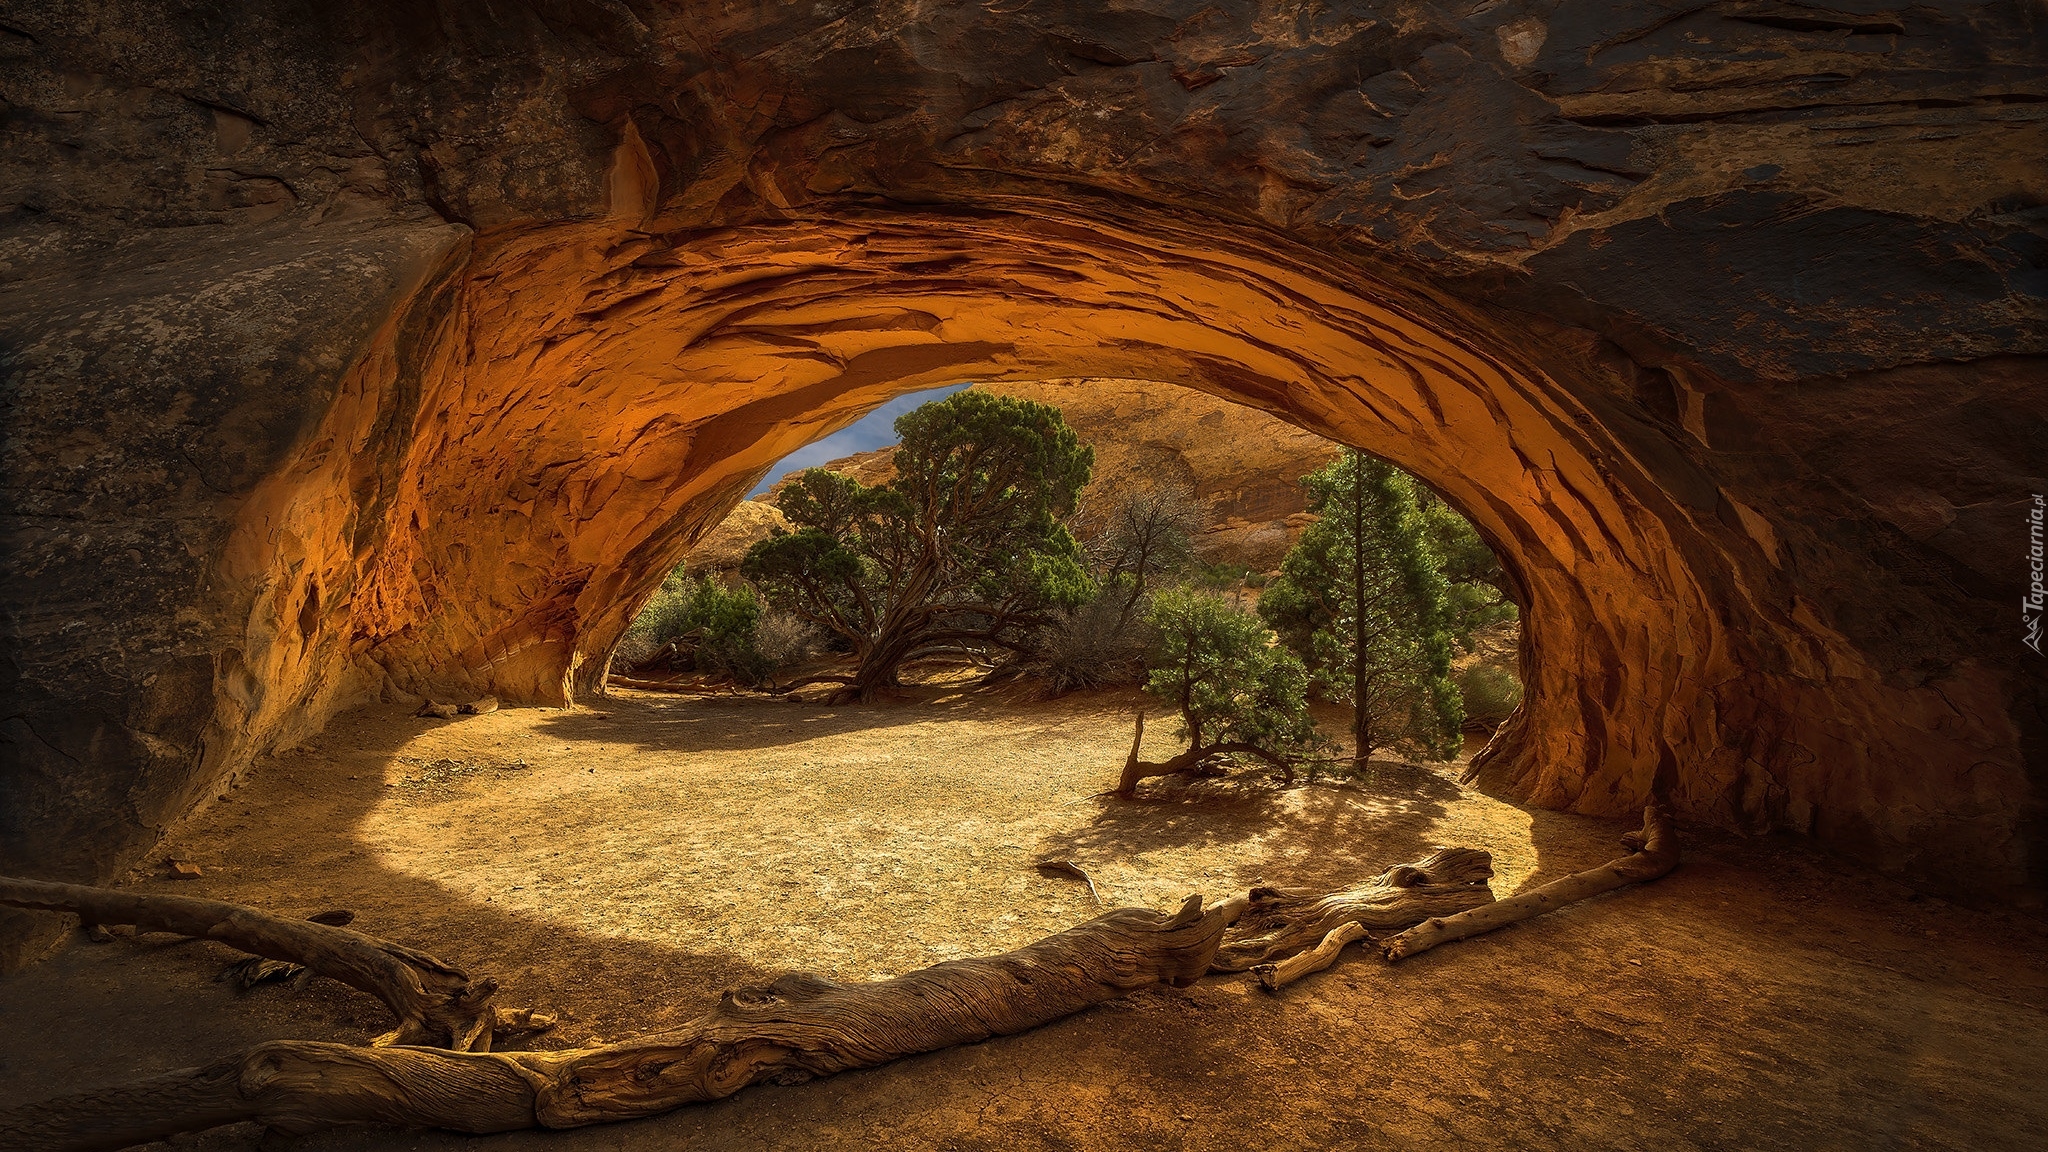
(1283, 921)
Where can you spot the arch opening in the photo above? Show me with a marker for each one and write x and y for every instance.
(1185, 491)
(546, 417)
(600, 399)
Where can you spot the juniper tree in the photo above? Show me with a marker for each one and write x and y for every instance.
(1361, 598)
(967, 545)
(1238, 693)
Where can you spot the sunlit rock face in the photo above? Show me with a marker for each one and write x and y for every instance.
(408, 347)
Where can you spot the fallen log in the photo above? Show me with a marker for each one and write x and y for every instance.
(1283, 921)
(790, 1031)
(679, 686)
(1653, 851)
(437, 1004)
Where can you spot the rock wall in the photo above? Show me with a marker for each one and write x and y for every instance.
(368, 344)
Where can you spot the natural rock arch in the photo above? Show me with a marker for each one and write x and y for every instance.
(365, 350)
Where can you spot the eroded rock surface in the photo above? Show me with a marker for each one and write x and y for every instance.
(376, 347)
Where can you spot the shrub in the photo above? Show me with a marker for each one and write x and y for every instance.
(784, 639)
(1093, 646)
(1144, 540)
(1235, 688)
(1490, 692)
(707, 626)
(1221, 577)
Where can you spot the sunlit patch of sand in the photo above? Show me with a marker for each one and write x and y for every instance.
(886, 841)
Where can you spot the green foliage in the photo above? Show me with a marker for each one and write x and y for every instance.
(1144, 539)
(1477, 584)
(1221, 577)
(1220, 668)
(712, 625)
(968, 545)
(1361, 598)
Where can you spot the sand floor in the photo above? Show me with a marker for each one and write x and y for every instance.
(622, 865)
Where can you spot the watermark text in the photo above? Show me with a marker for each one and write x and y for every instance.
(2034, 605)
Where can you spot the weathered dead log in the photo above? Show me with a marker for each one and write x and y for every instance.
(684, 687)
(437, 1004)
(794, 1029)
(1653, 851)
(1282, 921)
(1274, 977)
(250, 971)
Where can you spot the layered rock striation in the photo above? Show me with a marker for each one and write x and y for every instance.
(371, 346)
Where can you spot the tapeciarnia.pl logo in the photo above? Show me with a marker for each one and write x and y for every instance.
(2035, 601)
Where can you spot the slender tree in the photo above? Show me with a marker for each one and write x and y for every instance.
(966, 546)
(1477, 584)
(1362, 599)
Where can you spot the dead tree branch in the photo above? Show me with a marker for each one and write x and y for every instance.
(1282, 921)
(437, 1004)
(1653, 851)
(1274, 977)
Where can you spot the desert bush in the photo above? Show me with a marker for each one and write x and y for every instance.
(633, 650)
(1220, 577)
(711, 627)
(1235, 688)
(1094, 646)
(785, 640)
(1144, 540)
(1490, 692)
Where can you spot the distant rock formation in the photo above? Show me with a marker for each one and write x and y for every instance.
(722, 549)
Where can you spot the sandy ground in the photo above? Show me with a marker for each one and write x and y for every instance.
(623, 865)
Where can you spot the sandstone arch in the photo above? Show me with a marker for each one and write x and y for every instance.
(346, 349)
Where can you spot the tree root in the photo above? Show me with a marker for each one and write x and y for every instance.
(1653, 851)
(1282, 921)
(792, 1030)
(437, 1004)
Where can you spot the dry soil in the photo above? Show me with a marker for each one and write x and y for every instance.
(622, 865)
